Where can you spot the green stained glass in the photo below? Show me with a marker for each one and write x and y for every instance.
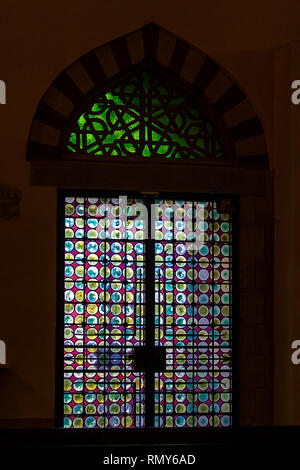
(144, 116)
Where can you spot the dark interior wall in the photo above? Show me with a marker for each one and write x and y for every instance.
(256, 307)
(39, 41)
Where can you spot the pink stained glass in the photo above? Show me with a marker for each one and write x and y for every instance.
(104, 315)
(109, 346)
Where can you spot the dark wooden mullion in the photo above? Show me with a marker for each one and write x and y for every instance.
(150, 320)
(148, 176)
(60, 260)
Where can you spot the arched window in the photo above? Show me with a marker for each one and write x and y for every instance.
(147, 277)
(147, 320)
(145, 116)
(149, 120)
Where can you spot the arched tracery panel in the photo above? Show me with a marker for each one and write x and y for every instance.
(144, 116)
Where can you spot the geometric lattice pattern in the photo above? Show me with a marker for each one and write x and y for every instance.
(193, 315)
(114, 306)
(144, 117)
(104, 316)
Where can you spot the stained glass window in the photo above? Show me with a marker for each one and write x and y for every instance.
(144, 117)
(147, 312)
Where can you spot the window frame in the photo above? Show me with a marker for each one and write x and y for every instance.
(148, 434)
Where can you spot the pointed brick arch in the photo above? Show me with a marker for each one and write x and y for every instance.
(181, 59)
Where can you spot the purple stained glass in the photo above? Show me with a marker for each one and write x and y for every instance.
(108, 338)
(104, 314)
(193, 315)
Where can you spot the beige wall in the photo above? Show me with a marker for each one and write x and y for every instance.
(38, 40)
